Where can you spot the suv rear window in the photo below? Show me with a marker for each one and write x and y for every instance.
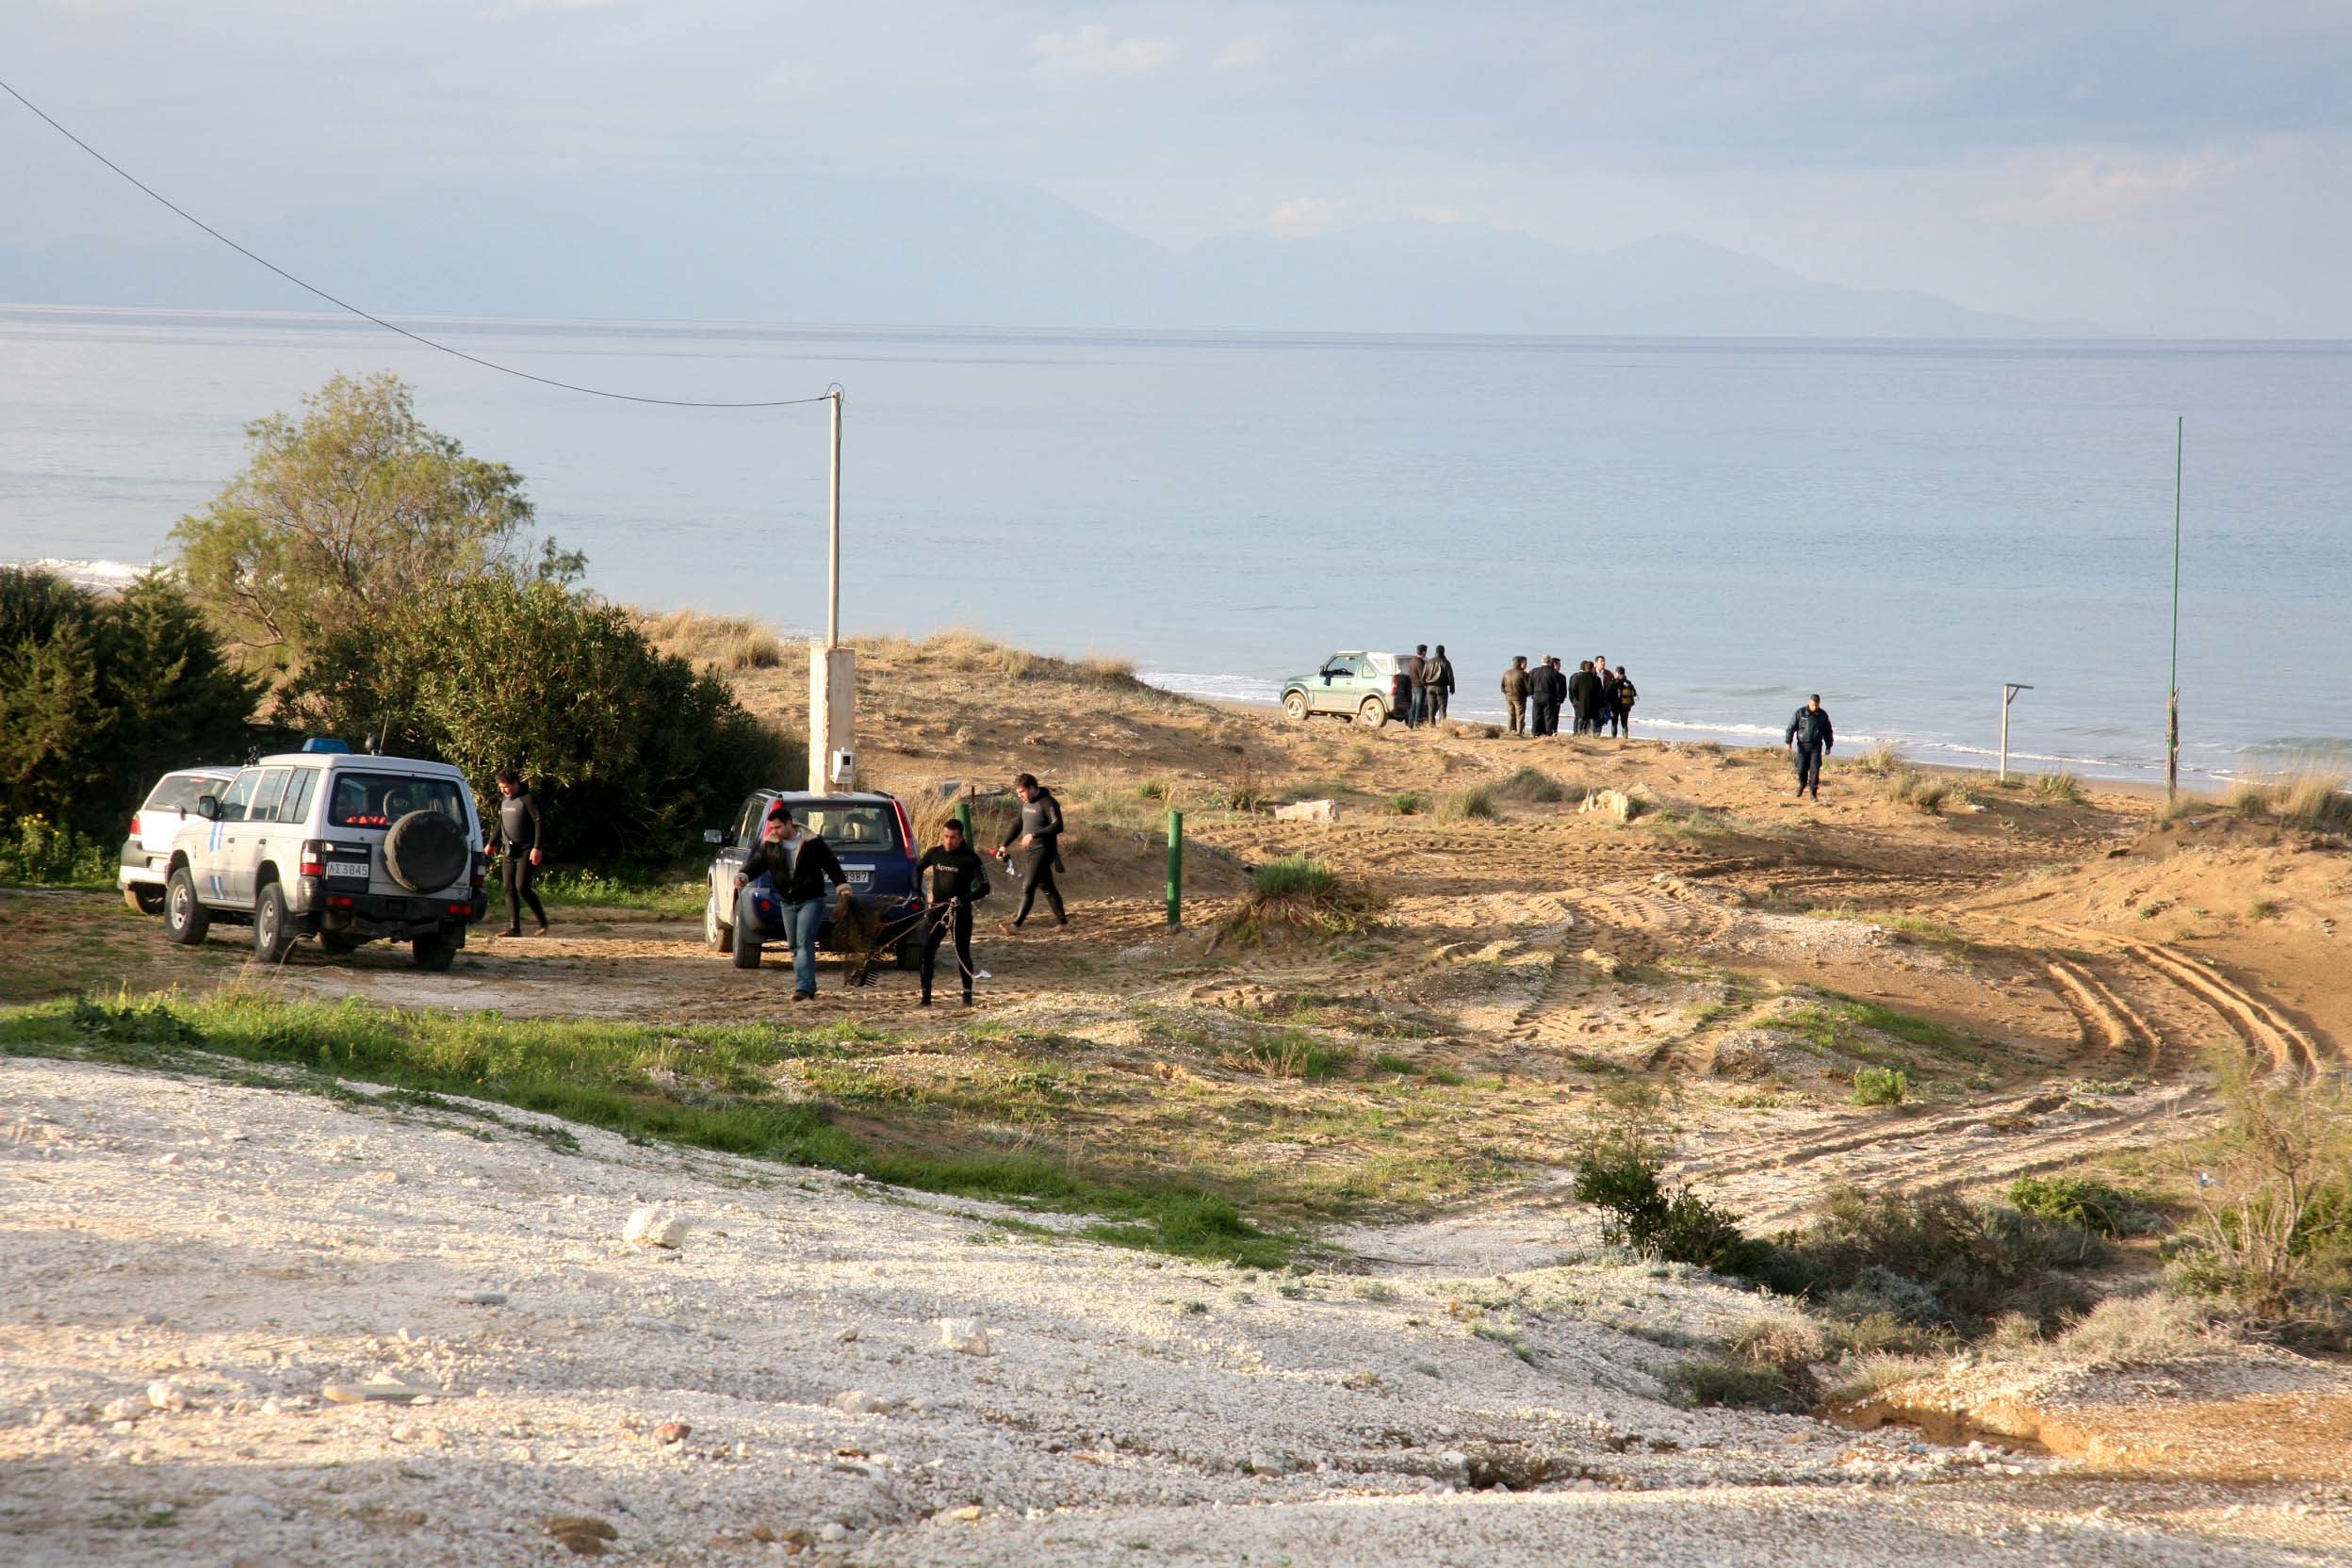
(381, 799)
(857, 827)
(177, 792)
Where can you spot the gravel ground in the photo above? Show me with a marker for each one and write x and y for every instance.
(191, 1263)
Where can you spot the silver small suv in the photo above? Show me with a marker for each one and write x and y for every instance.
(147, 852)
(323, 842)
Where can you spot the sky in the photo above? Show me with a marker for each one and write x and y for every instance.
(2162, 167)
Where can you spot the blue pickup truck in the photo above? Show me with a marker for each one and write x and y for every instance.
(873, 841)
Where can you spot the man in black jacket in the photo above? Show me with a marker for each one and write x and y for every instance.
(797, 865)
(1543, 699)
(952, 879)
(1036, 833)
(523, 835)
(1584, 697)
(1417, 668)
(1810, 739)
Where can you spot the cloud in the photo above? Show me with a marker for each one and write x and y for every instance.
(2095, 187)
(1249, 49)
(1095, 51)
(1302, 216)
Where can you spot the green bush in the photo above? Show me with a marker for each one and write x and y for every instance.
(2075, 1201)
(98, 697)
(1881, 1085)
(1621, 1176)
(36, 852)
(1293, 876)
(1407, 805)
(1935, 1260)
(632, 752)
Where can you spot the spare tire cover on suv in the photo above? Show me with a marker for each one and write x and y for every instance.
(425, 852)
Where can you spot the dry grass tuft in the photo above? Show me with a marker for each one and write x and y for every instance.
(968, 653)
(722, 643)
(2317, 800)
(1905, 786)
(1882, 760)
(1298, 897)
(2063, 788)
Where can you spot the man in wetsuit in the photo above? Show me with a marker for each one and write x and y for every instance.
(1036, 833)
(523, 836)
(953, 879)
(1626, 696)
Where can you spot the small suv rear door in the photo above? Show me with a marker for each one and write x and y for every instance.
(172, 804)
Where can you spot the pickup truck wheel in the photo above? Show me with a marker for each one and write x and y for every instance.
(185, 921)
(274, 933)
(1295, 706)
(436, 953)
(745, 943)
(145, 897)
(1373, 714)
(341, 944)
(716, 933)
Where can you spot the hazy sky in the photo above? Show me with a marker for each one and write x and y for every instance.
(2159, 166)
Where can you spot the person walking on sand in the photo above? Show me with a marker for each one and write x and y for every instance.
(1437, 676)
(1626, 699)
(953, 879)
(1515, 683)
(1416, 666)
(797, 864)
(522, 834)
(1810, 739)
(1036, 833)
(1604, 721)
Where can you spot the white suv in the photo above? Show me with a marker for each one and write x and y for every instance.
(147, 852)
(329, 843)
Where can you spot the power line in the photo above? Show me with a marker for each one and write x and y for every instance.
(364, 315)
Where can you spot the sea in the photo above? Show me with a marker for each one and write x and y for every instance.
(1904, 527)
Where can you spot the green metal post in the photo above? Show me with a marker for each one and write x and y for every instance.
(2172, 709)
(963, 814)
(1175, 870)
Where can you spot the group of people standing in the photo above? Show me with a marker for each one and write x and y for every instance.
(1429, 685)
(1599, 699)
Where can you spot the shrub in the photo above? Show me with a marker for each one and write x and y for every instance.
(1406, 804)
(1880, 1086)
(1905, 786)
(1619, 1172)
(1465, 805)
(2317, 800)
(2145, 1330)
(2249, 797)
(1881, 759)
(1936, 1260)
(631, 751)
(2273, 1190)
(1295, 1055)
(2063, 788)
(1297, 896)
(99, 697)
(1533, 785)
(36, 851)
(2075, 1201)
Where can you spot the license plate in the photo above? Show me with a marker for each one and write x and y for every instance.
(347, 868)
(861, 877)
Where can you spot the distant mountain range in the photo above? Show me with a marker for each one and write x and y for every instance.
(963, 253)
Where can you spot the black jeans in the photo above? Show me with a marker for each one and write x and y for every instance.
(1037, 877)
(1809, 769)
(938, 928)
(521, 874)
(1543, 718)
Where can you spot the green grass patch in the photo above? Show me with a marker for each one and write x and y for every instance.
(1476, 804)
(567, 888)
(1839, 1026)
(706, 1086)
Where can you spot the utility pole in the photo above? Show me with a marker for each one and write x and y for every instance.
(2172, 709)
(2009, 690)
(832, 668)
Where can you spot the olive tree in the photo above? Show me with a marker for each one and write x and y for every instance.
(344, 515)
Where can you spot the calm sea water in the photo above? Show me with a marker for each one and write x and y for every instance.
(1898, 526)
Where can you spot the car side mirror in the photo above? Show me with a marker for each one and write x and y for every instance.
(208, 807)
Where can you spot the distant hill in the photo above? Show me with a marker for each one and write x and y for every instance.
(964, 253)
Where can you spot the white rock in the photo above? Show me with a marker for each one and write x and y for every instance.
(1308, 811)
(655, 1225)
(117, 1411)
(164, 1395)
(832, 1529)
(244, 1509)
(964, 1334)
(856, 1401)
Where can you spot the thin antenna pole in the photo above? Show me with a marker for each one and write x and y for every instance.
(2172, 711)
